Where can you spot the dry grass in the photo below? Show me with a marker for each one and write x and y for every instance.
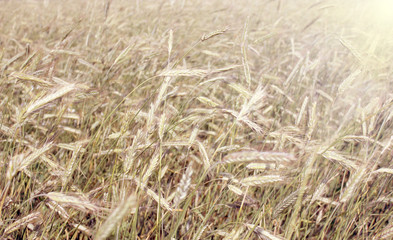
(195, 120)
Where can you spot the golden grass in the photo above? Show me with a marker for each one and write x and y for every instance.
(194, 120)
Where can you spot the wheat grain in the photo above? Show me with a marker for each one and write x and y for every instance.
(160, 200)
(235, 234)
(280, 91)
(27, 77)
(244, 48)
(205, 157)
(20, 162)
(260, 180)
(353, 184)
(35, 106)
(207, 101)
(302, 109)
(265, 166)
(240, 89)
(235, 189)
(259, 157)
(59, 209)
(122, 55)
(288, 201)
(115, 217)
(7, 131)
(170, 44)
(193, 136)
(383, 199)
(347, 82)
(199, 233)
(383, 170)
(184, 73)
(228, 148)
(76, 201)
(87, 231)
(18, 224)
(184, 185)
(206, 37)
(248, 106)
(387, 233)
(70, 167)
(340, 158)
(152, 166)
(263, 234)
(161, 127)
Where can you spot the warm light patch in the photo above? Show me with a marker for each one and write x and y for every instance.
(383, 12)
(374, 20)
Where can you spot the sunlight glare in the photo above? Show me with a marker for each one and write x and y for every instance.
(382, 12)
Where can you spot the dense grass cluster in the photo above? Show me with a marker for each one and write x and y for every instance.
(195, 120)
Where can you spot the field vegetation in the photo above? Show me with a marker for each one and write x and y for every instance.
(182, 119)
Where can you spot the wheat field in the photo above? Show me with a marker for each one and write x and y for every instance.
(182, 119)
